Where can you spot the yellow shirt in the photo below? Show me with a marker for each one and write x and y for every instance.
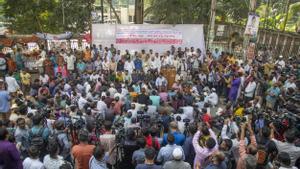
(25, 78)
(239, 112)
(231, 60)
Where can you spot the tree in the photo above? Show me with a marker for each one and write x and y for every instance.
(179, 11)
(33, 16)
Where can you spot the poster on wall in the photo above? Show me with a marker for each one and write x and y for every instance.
(251, 52)
(252, 25)
(159, 37)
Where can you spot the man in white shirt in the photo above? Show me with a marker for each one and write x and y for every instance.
(40, 62)
(250, 89)
(290, 83)
(82, 101)
(94, 77)
(161, 81)
(153, 65)
(44, 78)
(216, 54)
(212, 98)
(157, 61)
(87, 86)
(12, 85)
(188, 112)
(129, 66)
(101, 106)
(202, 77)
(112, 90)
(70, 60)
(280, 62)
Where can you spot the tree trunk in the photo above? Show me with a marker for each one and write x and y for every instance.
(211, 28)
(114, 10)
(139, 12)
(287, 7)
(267, 14)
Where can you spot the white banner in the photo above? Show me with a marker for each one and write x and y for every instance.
(157, 36)
(148, 36)
(49, 36)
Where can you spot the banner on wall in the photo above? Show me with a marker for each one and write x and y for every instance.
(148, 36)
(158, 37)
(252, 25)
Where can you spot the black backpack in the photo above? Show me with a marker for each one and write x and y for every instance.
(53, 139)
(37, 139)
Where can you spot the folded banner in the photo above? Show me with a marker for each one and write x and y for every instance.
(148, 36)
(49, 36)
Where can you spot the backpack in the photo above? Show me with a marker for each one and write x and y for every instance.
(53, 139)
(37, 139)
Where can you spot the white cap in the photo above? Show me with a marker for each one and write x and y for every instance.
(177, 154)
(280, 56)
(103, 94)
(213, 89)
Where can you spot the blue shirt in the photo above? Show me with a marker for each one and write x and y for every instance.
(179, 138)
(138, 64)
(81, 66)
(46, 132)
(4, 101)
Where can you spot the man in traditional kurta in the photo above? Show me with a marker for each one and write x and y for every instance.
(235, 84)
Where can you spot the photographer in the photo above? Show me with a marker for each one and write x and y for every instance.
(129, 146)
(204, 151)
(288, 146)
(283, 161)
(108, 141)
(188, 144)
(247, 153)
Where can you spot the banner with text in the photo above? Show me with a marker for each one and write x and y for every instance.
(148, 36)
(158, 37)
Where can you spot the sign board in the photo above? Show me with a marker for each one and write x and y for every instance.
(251, 51)
(158, 37)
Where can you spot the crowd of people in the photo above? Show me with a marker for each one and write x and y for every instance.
(102, 108)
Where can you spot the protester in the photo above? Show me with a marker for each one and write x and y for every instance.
(102, 107)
